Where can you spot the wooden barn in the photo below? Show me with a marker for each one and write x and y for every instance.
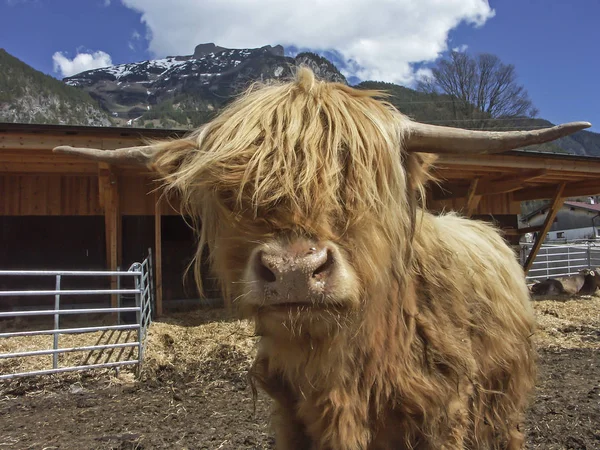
(60, 212)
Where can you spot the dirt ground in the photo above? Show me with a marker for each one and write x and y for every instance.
(193, 393)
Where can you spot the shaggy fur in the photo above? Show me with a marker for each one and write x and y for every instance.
(432, 348)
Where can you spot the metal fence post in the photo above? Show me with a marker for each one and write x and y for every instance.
(139, 315)
(119, 297)
(56, 323)
(152, 291)
(589, 255)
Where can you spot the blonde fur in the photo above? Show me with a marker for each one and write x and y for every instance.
(438, 354)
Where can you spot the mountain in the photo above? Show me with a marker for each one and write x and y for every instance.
(186, 91)
(437, 109)
(29, 96)
(582, 143)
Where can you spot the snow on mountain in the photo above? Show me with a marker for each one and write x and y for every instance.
(186, 90)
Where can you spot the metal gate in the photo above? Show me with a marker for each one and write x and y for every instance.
(99, 355)
(554, 260)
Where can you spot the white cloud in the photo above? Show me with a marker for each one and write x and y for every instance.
(423, 74)
(133, 42)
(16, 2)
(461, 48)
(82, 62)
(379, 39)
(106, 3)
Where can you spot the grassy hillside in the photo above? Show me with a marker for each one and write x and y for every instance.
(437, 109)
(29, 96)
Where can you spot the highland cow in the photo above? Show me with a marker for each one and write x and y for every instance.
(381, 326)
(585, 282)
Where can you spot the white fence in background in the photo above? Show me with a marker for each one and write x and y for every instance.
(554, 260)
(142, 291)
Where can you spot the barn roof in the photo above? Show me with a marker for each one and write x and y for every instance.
(26, 148)
(7, 128)
(527, 175)
(594, 208)
(587, 206)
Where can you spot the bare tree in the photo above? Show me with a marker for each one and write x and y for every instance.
(479, 88)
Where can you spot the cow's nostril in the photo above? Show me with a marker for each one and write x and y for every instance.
(262, 271)
(322, 270)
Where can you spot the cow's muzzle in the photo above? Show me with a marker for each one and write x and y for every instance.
(302, 273)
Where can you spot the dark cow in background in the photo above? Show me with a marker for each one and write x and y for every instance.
(584, 283)
(549, 286)
(381, 326)
(592, 281)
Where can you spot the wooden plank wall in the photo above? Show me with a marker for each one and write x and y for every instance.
(49, 195)
(72, 195)
(78, 195)
(136, 194)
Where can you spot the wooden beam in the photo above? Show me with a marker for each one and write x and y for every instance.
(578, 189)
(520, 231)
(444, 191)
(511, 184)
(491, 187)
(557, 202)
(472, 197)
(25, 167)
(158, 253)
(472, 206)
(103, 183)
(109, 185)
(48, 142)
(487, 162)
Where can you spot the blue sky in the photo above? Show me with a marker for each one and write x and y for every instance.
(555, 48)
(553, 44)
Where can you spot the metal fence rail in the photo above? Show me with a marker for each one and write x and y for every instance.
(141, 273)
(555, 260)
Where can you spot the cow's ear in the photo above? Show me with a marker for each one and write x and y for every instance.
(419, 170)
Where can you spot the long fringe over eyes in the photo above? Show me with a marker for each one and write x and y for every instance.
(306, 153)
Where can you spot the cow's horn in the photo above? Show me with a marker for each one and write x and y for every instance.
(139, 156)
(427, 138)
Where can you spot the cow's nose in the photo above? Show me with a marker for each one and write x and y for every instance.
(293, 270)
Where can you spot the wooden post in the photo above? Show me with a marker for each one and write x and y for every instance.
(472, 198)
(557, 202)
(109, 185)
(158, 252)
